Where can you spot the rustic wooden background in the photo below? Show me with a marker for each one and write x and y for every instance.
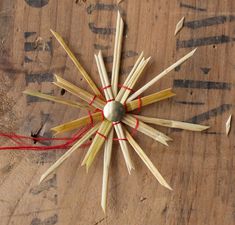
(199, 166)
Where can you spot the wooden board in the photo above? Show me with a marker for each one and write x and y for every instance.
(199, 166)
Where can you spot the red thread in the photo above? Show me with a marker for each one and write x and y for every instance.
(139, 103)
(100, 110)
(25, 146)
(110, 100)
(125, 87)
(116, 123)
(136, 127)
(106, 87)
(119, 139)
(93, 99)
(125, 106)
(91, 119)
(101, 135)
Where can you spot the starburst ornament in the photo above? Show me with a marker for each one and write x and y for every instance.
(112, 112)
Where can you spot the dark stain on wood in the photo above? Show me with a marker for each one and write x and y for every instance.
(201, 84)
(38, 77)
(189, 103)
(37, 3)
(183, 5)
(211, 21)
(48, 221)
(205, 70)
(209, 114)
(124, 55)
(222, 39)
(105, 7)
(45, 186)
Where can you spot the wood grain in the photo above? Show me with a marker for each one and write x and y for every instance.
(198, 166)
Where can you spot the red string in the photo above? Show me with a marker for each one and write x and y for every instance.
(116, 123)
(24, 146)
(110, 100)
(93, 99)
(139, 103)
(125, 87)
(91, 119)
(136, 127)
(120, 139)
(100, 110)
(106, 87)
(101, 135)
(125, 106)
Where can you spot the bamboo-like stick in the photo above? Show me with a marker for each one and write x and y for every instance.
(69, 152)
(117, 53)
(118, 127)
(172, 123)
(57, 99)
(77, 63)
(228, 125)
(147, 161)
(104, 76)
(124, 147)
(97, 143)
(179, 25)
(147, 130)
(122, 90)
(107, 158)
(75, 124)
(150, 99)
(79, 92)
(134, 79)
(162, 74)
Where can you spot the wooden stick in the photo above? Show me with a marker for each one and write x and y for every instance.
(124, 147)
(117, 53)
(57, 99)
(134, 79)
(172, 123)
(162, 74)
(104, 76)
(150, 99)
(147, 161)
(79, 92)
(147, 130)
(75, 124)
(77, 64)
(122, 90)
(69, 152)
(107, 158)
(179, 25)
(97, 143)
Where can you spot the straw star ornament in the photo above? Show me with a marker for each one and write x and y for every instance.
(113, 111)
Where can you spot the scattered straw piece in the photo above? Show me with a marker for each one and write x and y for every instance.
(228, 125)
(179, 25)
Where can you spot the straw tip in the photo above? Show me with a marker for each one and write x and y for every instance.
(103, 208)
(194, 50)
(42, 178)
(52, 31)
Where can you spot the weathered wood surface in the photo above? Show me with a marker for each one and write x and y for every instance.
(199, 166)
